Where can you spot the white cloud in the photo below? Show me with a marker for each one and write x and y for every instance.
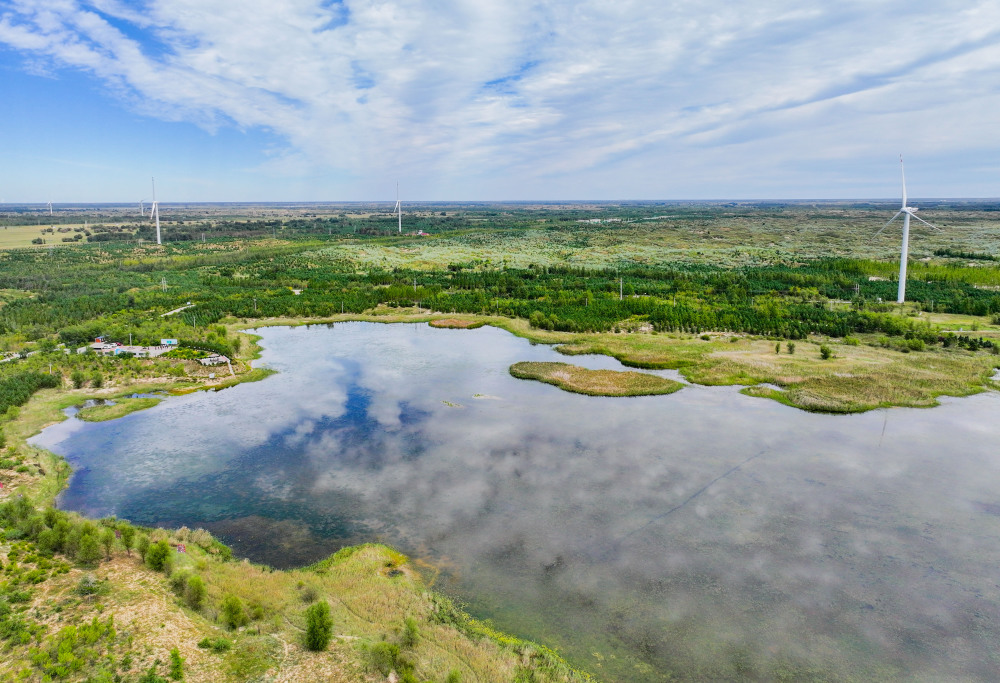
(465, 89)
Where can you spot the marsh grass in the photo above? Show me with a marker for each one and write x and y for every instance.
(594, 382)
(120, 408)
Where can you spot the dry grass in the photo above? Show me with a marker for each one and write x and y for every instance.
(594, 382)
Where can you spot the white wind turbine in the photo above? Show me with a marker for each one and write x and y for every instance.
(906, 212)
(49, 204)
(154, 212)
(398, 209)
(142, 208)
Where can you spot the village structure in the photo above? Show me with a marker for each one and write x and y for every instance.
(102, 347)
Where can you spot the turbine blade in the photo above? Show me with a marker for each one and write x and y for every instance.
(927, 224)
(889, 221)
(902, 173)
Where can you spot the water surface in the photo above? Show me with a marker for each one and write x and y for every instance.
(704, 534)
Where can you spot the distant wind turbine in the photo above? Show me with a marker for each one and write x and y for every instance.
(398, 210)
(142, 207)
(906, 212)
(49, 204)
(154, 212)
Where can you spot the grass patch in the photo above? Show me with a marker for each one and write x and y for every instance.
(456, 323)
(120, 408)
(594, 382)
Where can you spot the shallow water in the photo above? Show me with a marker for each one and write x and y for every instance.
(703, 534)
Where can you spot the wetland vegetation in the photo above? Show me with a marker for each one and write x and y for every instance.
(711, 290)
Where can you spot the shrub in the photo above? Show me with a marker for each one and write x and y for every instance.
(216, 644)
(383, 657)
(453, 677)
(411, 634)
(791, 347)
(142, 546)
(233, 614)
(825, 352)
(851, 341)
(96, 380)
(158, 555)
(77, 378)
(89, 552)
(176, 665)
(128, 536)
(319, 626)
(194, 594)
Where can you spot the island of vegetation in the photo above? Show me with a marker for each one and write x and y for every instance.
(792, 301)
(594, 382)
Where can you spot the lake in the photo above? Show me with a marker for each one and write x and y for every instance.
(704, 534)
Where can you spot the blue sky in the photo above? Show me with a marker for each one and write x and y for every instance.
(304, 100)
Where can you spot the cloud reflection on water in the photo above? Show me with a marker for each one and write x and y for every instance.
(680, 531)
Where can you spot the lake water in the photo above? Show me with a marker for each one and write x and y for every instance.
(703, 534)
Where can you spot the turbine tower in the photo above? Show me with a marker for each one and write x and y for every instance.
(906, 212)
(154, 212)
(398, 210)
(49, 204)
(142, 208)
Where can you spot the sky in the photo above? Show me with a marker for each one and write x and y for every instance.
(479, 100)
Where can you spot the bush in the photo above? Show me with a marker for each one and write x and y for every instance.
(77, 378)
(158, 555)
(411, 634)
(176, 665)
(319, 626)
(89, 553)
(194, 594)
(142, 546)
(383, 656)
(216, 644)
(233, 614)
(825, 352)
(791, 347)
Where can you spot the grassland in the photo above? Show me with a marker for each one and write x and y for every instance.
(483, 265)
(579, 380)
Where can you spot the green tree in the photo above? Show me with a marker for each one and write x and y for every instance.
(791, 347)
(319, 626)
(77, 378)
(142, 546)
(233, 614)
(128, 537)
(89, 552)
(108, 541)
(825, 352)
(176, 665)
(411, 634)
(158, 555)
(194, 593)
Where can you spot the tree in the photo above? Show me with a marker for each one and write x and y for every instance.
(89, 552)
(319, 626)
(142, 546)
(791, 347)
(233, 614)
(77, 378)
(176, 665)
(195, 592)
(108, 541)
(158, 555)
(128, 536)
(825, 352)
(411, 634)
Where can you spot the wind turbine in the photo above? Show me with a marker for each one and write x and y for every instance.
(142, 207)
(154, 212)
(906, 212)
(398, 209)
(49, 204)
